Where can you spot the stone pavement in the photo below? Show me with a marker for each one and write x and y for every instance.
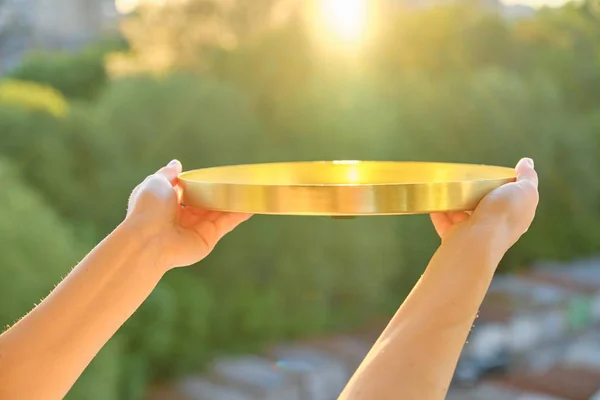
(491, 392)
(316, 370)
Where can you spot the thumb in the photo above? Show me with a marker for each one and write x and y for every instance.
(171, 171)
(526, 174)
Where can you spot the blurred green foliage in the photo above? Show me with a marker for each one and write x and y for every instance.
(29, 95)
(76, 76)
(447, 83)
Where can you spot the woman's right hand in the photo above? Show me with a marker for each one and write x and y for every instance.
(510, 208)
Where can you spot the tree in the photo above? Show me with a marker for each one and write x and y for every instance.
(445, 39)
(10, 28)
(565, 43)
(183, 35)
(5, 21)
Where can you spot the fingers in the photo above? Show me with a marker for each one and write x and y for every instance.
(442, 222)
(155, 182)
(171, 171)
(164, 179)
(226, 222)
(527, 179)
(458, 216)
(526, 172)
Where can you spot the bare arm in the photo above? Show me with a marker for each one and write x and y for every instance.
(416, 355)
(43, 354)
(56, 341)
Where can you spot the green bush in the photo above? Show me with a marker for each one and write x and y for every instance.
(77, 76)
(287, 271)
(501, 117)
(37, 248)
(36, 251)
(449, 93)
(143, 122)
(32, 96)
(60, 157)
(168, 334)
(298, 276)
(104, 377)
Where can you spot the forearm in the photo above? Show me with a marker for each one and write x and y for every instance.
(56, 341)
(416, 355)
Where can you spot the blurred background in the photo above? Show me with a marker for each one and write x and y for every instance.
(97, 94)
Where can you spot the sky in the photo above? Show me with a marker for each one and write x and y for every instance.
(127, 5)
(536, 3)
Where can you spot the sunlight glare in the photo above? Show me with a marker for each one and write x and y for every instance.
(346, 19)
(127, 6)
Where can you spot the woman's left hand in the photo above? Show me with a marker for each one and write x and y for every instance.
(183, 235)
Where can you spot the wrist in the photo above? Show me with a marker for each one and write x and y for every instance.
(496, 230)
(146, 245)
(488, 238)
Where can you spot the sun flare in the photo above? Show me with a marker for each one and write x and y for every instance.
(345, 19)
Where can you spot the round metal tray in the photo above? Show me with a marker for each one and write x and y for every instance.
(342, 188)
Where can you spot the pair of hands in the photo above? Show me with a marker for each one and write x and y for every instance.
(187, 235)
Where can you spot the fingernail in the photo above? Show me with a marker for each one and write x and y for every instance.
(530, 161)
(172, 163)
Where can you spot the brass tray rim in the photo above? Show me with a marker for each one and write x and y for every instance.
(182, 175)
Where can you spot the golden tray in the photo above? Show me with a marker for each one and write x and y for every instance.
(342, 188)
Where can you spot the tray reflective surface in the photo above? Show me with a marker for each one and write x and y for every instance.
(342, 188)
